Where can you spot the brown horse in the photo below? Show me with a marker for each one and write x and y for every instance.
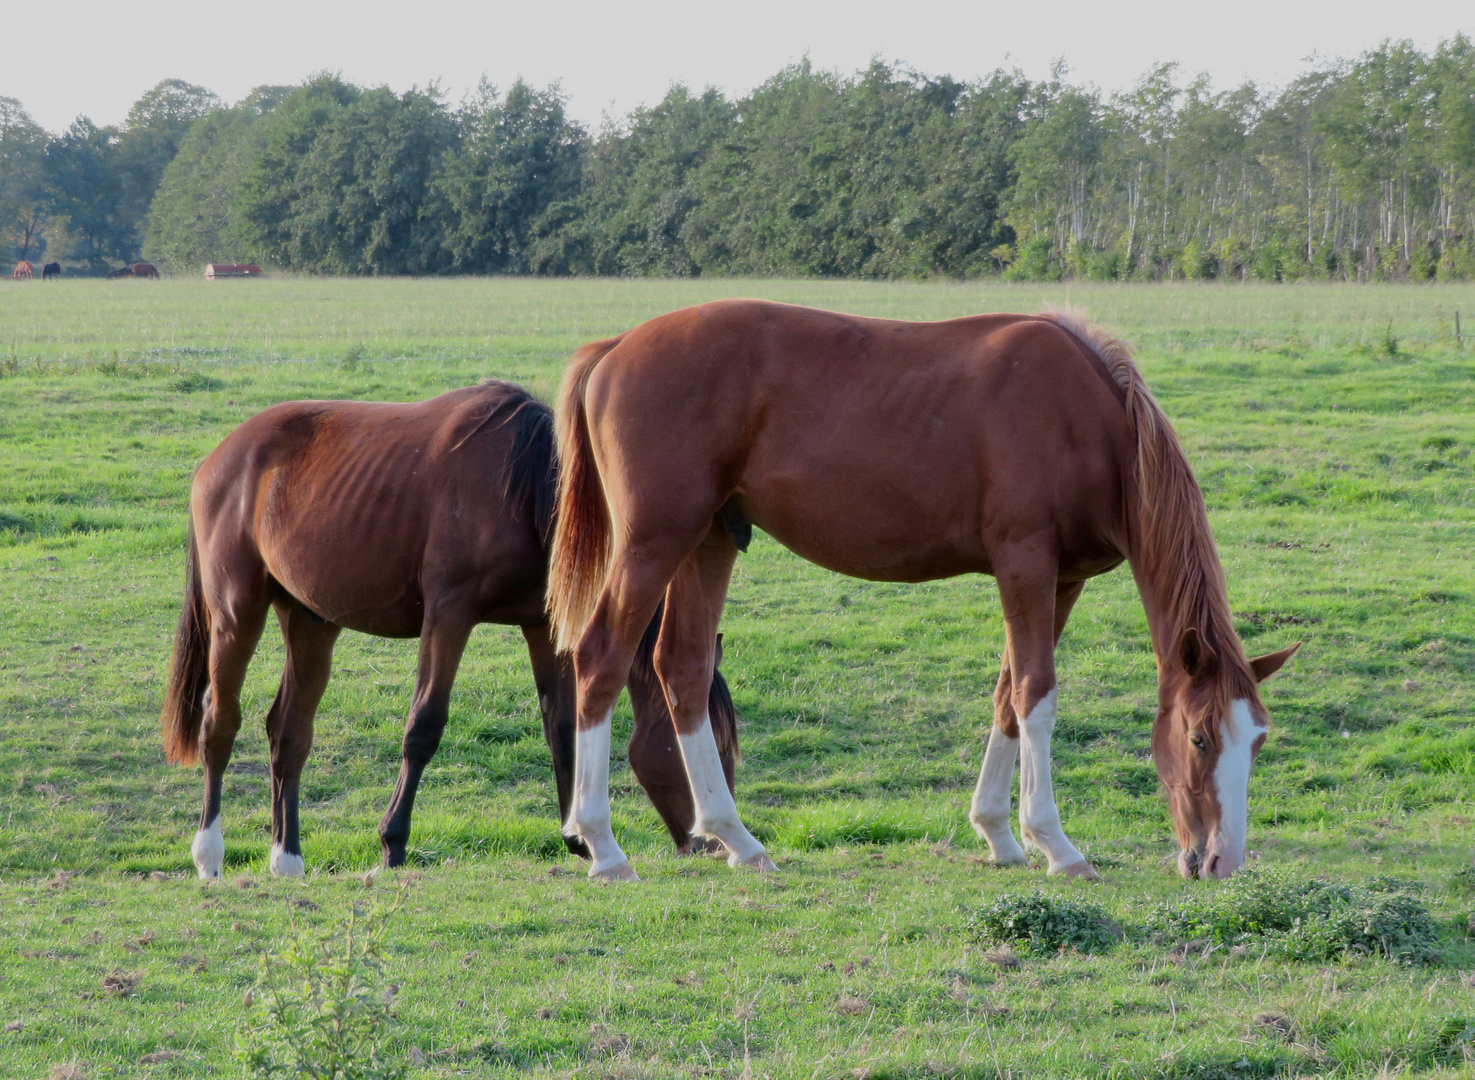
(418, 520)
(23, 271)
(1026, 447)
(145, 270)
(120, 272)
(50, 270)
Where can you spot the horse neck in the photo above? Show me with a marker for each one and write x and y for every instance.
(1178, 573)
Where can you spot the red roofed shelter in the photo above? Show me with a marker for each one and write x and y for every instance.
(223, 270)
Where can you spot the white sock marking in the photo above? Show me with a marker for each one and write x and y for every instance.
(1238, 732)
(990, 812)
(284, 865)
(589, 816)
(208, 850)
(716, 812)
(1039, 817)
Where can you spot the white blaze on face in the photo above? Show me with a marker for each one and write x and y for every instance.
(717, 814)
(208, 850)
(1238, 733)
(589, 817)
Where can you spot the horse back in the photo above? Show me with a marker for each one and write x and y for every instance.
(361, 509)
(879, 448)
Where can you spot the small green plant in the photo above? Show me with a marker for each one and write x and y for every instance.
(352, 357)
(1389, 345)
(1043, 923)
(188, 384)
(321, 1008)
(1305, 918)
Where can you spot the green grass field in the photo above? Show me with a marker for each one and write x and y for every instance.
(1332, 430)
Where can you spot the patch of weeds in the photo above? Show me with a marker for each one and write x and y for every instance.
(1303, 918)
(9, 519)
(1463, 880)
(1388, 347)
(1043, 923)
(188, 384)
(352, 357)
(321, 1007)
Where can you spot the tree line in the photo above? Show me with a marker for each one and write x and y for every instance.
(1357, 170)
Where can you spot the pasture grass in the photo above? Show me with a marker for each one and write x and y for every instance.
(1331, 427)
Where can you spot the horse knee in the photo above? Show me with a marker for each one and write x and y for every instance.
(422, 737)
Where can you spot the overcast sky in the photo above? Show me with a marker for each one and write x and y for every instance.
(97, 56)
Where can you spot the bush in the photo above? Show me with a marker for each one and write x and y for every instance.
(321, 1007)
(1043, 924)
(1305, 918)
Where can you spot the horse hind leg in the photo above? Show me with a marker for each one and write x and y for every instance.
(685, 658)
(602, 660)
(309, 647)
(235, 629)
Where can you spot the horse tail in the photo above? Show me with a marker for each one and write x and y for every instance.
(189, 670)
(581, 535)
(723, 714)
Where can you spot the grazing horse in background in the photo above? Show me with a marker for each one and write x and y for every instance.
(145, 270)
(50, 270)
(23, 271)
(410, 520)
(121, 272)
(1026, 447)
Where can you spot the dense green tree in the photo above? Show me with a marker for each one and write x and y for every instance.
(22, 182)
(198, 214)
(507, 191)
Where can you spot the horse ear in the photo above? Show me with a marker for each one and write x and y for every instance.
(1267, 665)
(1197, 658)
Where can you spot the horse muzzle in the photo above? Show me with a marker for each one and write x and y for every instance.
(1197, 863)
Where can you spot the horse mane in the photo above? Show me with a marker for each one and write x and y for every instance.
(1171, 543)
(529, 475)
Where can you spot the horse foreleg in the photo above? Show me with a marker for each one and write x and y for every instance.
(553, 675)
(1029, 591)
(309, 642)
(442, 641)
(990, 811)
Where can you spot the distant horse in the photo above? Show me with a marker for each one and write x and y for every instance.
(121, 272)
(410, 520)
(1026, 447)
(23, 271)
(50, 270)
(145, 270)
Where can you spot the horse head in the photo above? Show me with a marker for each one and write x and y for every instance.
(1209, 729)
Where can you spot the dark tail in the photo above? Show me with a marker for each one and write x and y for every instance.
(720, 708)
(581, 534)
(189, 671)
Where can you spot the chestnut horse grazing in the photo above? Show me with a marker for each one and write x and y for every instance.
(23, 271)
(401, 521)
(1026, 447)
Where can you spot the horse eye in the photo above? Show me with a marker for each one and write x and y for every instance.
(1198, 741)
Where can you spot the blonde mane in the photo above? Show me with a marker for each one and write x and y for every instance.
(1168, 524)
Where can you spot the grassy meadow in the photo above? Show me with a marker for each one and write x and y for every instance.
(1332, 429)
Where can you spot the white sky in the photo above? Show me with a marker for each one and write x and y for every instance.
(97, 56)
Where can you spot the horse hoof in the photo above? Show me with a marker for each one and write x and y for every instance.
(285, 865)
(620, 871)
(701, 845)
(1082, 869)
(761, 863)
